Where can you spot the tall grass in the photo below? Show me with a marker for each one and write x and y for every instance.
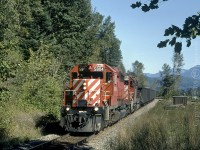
(164, 127)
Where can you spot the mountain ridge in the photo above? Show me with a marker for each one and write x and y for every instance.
(184, 72)
(190, 77)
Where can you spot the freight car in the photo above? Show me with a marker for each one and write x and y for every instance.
(146, 95)
(98, 96)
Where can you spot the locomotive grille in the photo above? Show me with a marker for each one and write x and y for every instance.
(82, 103)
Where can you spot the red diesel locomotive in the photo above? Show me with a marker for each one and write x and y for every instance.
(98, 96)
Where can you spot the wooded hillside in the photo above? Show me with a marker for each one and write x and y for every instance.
(40, 41)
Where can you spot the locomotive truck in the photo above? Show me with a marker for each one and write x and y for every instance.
(98, 96)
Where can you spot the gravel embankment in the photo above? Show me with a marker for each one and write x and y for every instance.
(100, 141)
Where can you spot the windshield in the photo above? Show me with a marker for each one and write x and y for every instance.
(90, 75)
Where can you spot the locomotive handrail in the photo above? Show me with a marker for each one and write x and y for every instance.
(70, 90)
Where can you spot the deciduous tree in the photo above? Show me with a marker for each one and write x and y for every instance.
(177, 68)
(189, 31)
(167, 80)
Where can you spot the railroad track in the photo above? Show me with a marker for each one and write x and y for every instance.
(66, 142)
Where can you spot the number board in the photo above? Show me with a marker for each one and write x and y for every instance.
(87, 68)
(98, 67)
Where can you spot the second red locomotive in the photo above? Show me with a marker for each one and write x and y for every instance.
(98, 96)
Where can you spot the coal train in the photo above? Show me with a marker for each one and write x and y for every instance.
(98, 96)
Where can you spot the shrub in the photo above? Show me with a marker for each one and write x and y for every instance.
(38, 82)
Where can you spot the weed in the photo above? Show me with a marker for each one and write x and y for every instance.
(161, 129)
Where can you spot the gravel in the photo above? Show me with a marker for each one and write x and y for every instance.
(100, 141)
(49, 137)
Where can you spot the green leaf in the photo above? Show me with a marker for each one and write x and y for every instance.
(154, 1)
(178, 47)
(163, 43)
(145, 8)
(153, 6)
(136, 5)
(169, 31)
(173, 41)
(188, 42)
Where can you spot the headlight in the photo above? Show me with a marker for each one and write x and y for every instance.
(96, 108)
(67, 108)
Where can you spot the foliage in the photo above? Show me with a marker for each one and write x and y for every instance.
(171, 78)
(122, 68)
(39, 43)
(39, 82)
(177, 67)
(167, 80)
(71, 30)
(164, 127)
(138, 68)
(4, 122)
(153, 4)
(35, 87)
(110, 52)
(189, 31)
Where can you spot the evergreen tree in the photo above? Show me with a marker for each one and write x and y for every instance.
(71, 30)
(122, 68)
(97, 20)
(138, 68)
(167, 80)
(35, 26)
(110, 52)
(10, 56)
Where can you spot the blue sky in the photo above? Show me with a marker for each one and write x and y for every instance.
(141, 32)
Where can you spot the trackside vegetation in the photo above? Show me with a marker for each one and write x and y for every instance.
(39, 43)
(163, 127)
(40, 40)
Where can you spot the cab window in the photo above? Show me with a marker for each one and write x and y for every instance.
(74, 75)
(121, 77)
(108, 76)
(131, 84)
(126, 82)
(91, 75)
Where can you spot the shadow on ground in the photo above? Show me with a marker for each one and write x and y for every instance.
(3, 136)
(7, 142)
(49, 124)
